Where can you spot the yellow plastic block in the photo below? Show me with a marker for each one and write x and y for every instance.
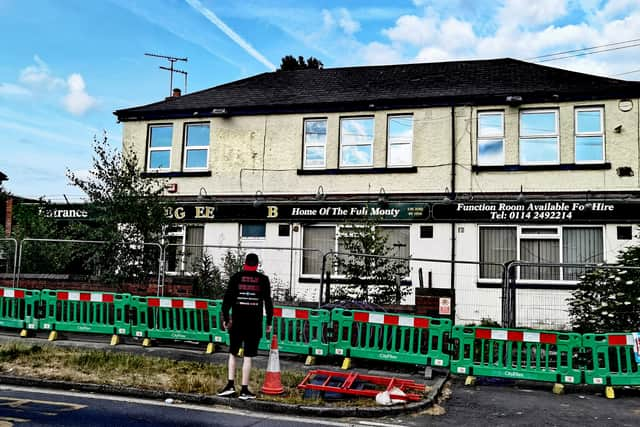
(241, 352)
(609, 392)
(146, 342)
(53, 335)
(470, 380)
(211, 348)
(24, 333)
(311, 360)
(558, 388)
(115, 339)
(346, 363)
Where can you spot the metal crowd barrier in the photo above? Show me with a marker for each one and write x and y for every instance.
(185, 319)
(18, 308)
(517, 354)
(391, 337)
(91, 312)
(299, 331)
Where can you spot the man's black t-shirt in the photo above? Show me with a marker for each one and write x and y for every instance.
(247, 293)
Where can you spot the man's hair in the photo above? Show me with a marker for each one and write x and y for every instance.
(251, 260)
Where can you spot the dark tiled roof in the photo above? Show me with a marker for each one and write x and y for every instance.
(3, 177)
(404, 85)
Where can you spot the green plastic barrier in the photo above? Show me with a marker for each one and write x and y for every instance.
(517, 354)
(299, 330)
(392, 337)
(610, 359)
(91, 312)
(18, 308)
(185, 319)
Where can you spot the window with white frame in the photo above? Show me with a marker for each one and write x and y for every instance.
(196, 146)
(315, 143)
(540, 246)
(491, 138)
(400, 140)
(356, 141)
(184, 248)
(589, 135)
(539, 137)
(320, 239)
(159, 147)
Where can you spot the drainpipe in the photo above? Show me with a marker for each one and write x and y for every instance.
(453, 197)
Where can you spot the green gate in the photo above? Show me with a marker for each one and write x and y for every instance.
(186, 319)
(517, 354)
(299, 331)
(391, 337)
(18, 308)
(92, 312)
(610, 359)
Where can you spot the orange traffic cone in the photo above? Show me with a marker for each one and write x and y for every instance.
(272, 383)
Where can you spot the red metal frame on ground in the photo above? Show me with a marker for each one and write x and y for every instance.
(348, 379)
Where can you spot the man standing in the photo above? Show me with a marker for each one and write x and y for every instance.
(246, 294)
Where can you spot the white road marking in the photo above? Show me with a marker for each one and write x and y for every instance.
(187, 406)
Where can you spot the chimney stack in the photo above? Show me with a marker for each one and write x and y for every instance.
(176, 92)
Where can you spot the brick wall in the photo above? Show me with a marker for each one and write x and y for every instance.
(172, 288)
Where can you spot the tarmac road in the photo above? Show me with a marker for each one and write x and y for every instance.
(510, 404)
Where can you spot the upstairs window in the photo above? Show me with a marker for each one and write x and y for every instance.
(159, 152)
(315, 143)
(196, 153)
(539, 137)
(589, 135)
(356, 142)
(400, 139)
(491, 138)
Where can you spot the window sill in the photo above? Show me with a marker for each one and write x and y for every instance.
(560, 167)
(555, 285)
(178, 174)
(359, 171)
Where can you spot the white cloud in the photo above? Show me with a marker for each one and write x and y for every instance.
(10, 89)
(527, 13)
(346, 22)
(39, 76)
(77, 101)
(432, 54)
(376, 53)
(413, 30)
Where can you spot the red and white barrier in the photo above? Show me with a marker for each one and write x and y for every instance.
(11, 293)
(518, 336)
(177, 303)
(84, 296)
(391, 319)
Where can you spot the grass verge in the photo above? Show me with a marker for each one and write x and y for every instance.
(144, 372)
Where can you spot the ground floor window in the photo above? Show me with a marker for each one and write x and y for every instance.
(184, 248)
(320, 239)
(541, 245)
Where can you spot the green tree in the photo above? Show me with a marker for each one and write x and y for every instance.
(210, 280)
(372, 279)
(608, 299)
(290, 63)
(127, 211)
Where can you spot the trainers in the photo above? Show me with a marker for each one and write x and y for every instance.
(229, 390)
(246, 395)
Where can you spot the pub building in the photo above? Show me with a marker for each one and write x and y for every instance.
(482, 161)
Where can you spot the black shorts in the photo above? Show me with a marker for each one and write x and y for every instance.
(247, 333)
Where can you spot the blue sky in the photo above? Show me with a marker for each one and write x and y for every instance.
(68, 64)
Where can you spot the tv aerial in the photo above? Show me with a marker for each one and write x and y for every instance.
(172, 60)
